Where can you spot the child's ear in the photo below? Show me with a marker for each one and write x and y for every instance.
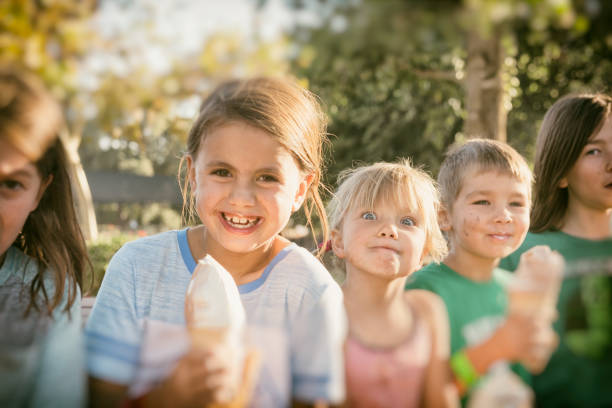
(563, 183)
(300, 194)
(337, 244)
(444, 219)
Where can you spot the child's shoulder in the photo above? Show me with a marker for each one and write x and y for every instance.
(569, 246)
(302, 270)
(425, 301)
(19, 271)
(431, 308)
(151, 247)
(153, 242)
(148, 256)
(429, 276)
(23, 268)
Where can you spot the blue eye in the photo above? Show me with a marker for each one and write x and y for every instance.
(408, 221)
(369, 215)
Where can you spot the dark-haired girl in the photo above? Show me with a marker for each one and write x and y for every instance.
(42, 255)
(572, 213)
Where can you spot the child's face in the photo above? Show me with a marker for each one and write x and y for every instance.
(490, 216)
(246, 186)
(387, 241)
(20, 191)
(589, 182)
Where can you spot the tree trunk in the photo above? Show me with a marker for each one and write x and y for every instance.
(83, 201)
(486, 115)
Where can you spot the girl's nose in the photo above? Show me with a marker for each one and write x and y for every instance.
(242, 194)
(388, 231)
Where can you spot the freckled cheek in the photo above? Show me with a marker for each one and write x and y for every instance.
(469, 223)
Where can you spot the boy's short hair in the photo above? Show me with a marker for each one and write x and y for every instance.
(482, 155)
(399, 182)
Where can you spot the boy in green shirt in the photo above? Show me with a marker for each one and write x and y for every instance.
(485, 189)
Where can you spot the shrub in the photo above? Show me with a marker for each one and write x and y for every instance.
(100, 253)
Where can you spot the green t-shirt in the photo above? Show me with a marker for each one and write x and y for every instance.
(475, 309)
(579, 373)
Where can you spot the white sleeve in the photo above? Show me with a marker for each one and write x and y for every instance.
(113, 333)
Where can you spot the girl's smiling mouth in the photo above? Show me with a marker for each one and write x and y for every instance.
(240, 221)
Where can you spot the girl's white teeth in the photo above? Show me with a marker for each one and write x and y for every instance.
(240, 222)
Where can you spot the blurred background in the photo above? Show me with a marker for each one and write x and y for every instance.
(397, 78)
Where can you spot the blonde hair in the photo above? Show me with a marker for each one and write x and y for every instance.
(283, 109)
(482, 155)
(399, 183)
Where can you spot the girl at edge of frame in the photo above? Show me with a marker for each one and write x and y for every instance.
(572, 214)
(384, 225)
(254, 156)
(43, 255)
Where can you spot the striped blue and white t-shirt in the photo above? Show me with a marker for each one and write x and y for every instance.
(295, 318)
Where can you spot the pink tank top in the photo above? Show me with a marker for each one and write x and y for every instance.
(387, 377)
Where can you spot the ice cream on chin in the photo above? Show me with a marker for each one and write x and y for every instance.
(215, 317)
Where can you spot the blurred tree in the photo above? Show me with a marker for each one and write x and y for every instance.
(50, 38)
(388, 73)
(574, 55)
(408, 78)
(142, 117)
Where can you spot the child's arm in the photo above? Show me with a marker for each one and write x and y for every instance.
(317, 342)
(439, 389)
(514, 340)
(199, 379)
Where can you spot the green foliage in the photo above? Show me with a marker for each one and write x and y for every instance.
(379, 80)
(390, 73)
(143, 116)
(47, 37)
(100, 254)
(555, 62)
(152, 217)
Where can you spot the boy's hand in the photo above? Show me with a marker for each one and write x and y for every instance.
(541, 260)
(527, 340)
(546, 342)
(516, 338)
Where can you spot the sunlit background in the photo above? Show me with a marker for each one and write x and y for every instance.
(397, 78)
